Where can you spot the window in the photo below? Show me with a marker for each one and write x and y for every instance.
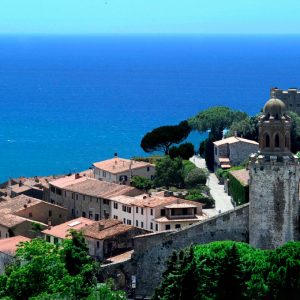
(103, 173)
(97, 200)
(115, 217)
(115, 205)
(50, 213)
(137, 210)
(124, 221)
(142, 211)
(168, 227)
(142, 224)
(151, 226)
(76, 196)
(98, 244)
(72, 195)
(128, 222)
(162, 212)
(267, 141)
(96, 217)
(91, 198)
(60, 216)
(123, 207)
(55, 240)
(137, 223)
(129, 210)
(277, 140)
(83, 197)
(90, 215)
(83, 214)
(52, 189)
(65, 194)
(105, 201)
(151, 212)
(73, 212)
(177, 226)
(184, 211)
(30, 215)
(48, 238)
(148, 169)
(58, 192)
(156, 227)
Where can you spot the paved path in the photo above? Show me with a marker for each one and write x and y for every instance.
(223, 202)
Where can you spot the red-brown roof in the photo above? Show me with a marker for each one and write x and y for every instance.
(118, 165)
(9, 245)
(241, 175)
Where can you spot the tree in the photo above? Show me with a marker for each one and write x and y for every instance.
(295, 132)
(219, 117)
(186, 150)
(142, 183)
(196, 177)
(169, 172)
(174, 152)
(213, 136)
(162, 138)
(247, 128)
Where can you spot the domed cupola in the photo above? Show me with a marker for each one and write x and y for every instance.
(274, 129)
(274, 108)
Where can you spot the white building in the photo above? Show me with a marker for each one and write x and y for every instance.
(121, 170)
(156, 213)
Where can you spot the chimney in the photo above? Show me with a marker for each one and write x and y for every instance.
(144, 197)
(20, 183)
(77, 176)
(49, 224)
(100, 226)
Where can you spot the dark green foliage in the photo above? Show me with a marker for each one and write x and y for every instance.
(186, 150)
(142, 183)
(162, 138)
(213, 136)
(199, 195)
(231, 270)
(219, 117)
(174, 152)
(169, 172)
(295, 132)
(248, 128)
(238, 191)
(196, 177)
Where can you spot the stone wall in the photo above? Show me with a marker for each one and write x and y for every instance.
(152, 251)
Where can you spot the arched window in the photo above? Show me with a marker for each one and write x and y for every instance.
(267, 141)
(277, 140)
(287, 141)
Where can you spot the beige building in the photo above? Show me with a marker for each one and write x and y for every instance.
(87, 197)
(17, 215)
(104, 238)
(8, 248)
(121, 170)
(233, 151)
(156, 213)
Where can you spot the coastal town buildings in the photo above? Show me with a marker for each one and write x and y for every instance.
(233, 151)
(121, 170)
(87, 197)
(17, 216)
(104, 238)
(290, 97)
(8, 248)
(156, 213)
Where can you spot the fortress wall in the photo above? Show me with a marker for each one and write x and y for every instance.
(152, 251)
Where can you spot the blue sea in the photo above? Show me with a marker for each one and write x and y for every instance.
(67, 101)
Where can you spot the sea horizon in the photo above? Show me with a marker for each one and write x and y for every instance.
(70, 100)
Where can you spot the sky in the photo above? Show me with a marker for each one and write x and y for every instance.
(149, 16)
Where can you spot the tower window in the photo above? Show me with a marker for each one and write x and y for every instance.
(277, 141)
(267, 141)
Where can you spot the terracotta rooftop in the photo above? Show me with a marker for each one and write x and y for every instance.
(13, 205)
(105, 229)
(10, 245)
(102, 189)
(241, 175)
(62, 230)
(95, 229)
(118, 165)
(197, 218)
(234, 139)
(145, 201)
(68, 180)
(8, 220)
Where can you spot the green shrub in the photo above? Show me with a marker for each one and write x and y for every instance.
(142, 183)
(196, 177)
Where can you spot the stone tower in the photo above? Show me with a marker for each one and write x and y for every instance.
(274, 181)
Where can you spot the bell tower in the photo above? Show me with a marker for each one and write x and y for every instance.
(274, 181)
